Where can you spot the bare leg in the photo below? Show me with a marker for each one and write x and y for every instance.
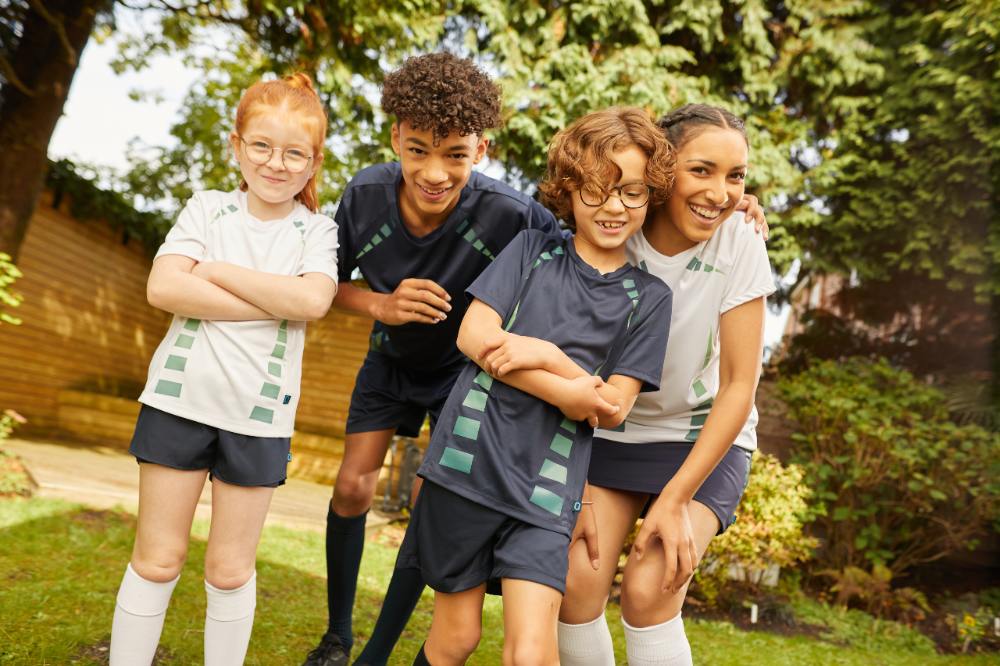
(530, 613)
(456, 626)
(238, 514)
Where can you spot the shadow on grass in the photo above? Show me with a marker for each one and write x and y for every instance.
(61, 566)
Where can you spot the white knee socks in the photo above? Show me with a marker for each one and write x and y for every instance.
(587, 644)
(135, 632)
(228, 623)
(660, 645)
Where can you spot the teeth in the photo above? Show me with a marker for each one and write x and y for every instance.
(435, 192)
(710, 213)
(611, 225)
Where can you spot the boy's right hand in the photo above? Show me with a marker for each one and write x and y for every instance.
(581, 401)
(414, 300)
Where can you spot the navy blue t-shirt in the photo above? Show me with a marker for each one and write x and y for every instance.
(373, 238)
(505, 449)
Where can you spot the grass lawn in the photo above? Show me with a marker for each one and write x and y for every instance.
(60, 565)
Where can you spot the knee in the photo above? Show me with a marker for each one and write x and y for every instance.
(227, 573)
(353, 492)
(162, 566)
(584, 599)
(645, 604)
(529, 651)
(462, 642)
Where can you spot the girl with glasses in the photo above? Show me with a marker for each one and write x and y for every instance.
(241, 272)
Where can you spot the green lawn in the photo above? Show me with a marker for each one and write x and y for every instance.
(60, 566)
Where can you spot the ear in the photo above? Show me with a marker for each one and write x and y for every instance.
(481, 147)
(234, 145)
(317, 164)
(396, 145)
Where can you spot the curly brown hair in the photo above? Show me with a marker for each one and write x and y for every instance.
(581, 155)
(443, 93)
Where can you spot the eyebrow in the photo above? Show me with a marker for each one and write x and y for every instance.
(713, 164)
(450, 149)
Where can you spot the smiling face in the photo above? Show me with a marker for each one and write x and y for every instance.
(708, 183)
(601, 231)
(434, 173)
(271, 187)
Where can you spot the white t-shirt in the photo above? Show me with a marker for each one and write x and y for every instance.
(712, 277)
(240, 376)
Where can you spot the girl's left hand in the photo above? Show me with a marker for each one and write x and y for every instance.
(509, 351)
(586, 529)
(670, 523)
(754, 212)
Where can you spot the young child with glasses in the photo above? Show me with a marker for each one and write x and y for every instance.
(506, 466)
(241, 272)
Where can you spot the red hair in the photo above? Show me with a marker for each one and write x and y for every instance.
(294, 94)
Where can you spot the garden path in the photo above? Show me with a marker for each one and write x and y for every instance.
(105, 478)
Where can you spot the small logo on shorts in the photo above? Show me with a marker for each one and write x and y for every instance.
(289, 457)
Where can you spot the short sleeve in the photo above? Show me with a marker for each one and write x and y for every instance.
(498, 286)
(345, 239)
(541, 218)
(187, 236)
(320, 253)
(646, 341)
(751, 276)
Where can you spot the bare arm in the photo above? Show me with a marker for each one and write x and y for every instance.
(577, 398)
(299, 298)
(172, 287)
(414, 300)
(741, 340)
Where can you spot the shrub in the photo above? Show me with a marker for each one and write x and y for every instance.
(768, 532)
(895, 482)
(8, 299)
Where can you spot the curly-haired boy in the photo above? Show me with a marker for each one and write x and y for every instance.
(420, 231)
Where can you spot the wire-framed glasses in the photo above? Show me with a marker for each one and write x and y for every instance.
(632, 195)
(259, 152)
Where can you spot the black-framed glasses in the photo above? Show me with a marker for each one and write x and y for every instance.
(632, 195)
(295, 160)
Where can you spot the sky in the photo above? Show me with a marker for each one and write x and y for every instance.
(100, 118)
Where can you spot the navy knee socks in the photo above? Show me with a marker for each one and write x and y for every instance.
(345, 542)
(401, 598)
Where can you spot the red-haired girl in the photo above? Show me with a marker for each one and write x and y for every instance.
(241, 272)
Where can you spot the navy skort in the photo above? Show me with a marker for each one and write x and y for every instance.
(647, 467)
(179, 443)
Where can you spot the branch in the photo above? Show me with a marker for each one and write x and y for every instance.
(57, 27)
(8, 73)
(163, 5)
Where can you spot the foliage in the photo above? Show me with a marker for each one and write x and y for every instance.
(873, 592)
(89, 202)
(858, 629)
(971, 618)
(895, 481)
(9, 274)
(768, 531)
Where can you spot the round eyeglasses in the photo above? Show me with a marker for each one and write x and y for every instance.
(632, 195)
(295, 160)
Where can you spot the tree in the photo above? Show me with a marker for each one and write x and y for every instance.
(40, 47)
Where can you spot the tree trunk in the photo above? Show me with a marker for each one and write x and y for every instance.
(44, 62)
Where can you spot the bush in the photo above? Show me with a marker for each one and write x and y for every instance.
(895, 482)
(768, 532)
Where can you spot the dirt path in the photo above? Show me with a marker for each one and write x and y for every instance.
(103, 478)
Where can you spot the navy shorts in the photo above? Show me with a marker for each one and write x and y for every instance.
(240, 460)
(646, 468)
(387, 395)
(458, 544)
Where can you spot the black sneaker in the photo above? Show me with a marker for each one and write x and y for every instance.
(329, 652)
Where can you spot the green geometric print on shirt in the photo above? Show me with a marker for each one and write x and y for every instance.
(468, 427)
(383, 232)
(176, 362)
(466, 231)
(696, 265)
(226, 210)
(268, 389)
(544, 256)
